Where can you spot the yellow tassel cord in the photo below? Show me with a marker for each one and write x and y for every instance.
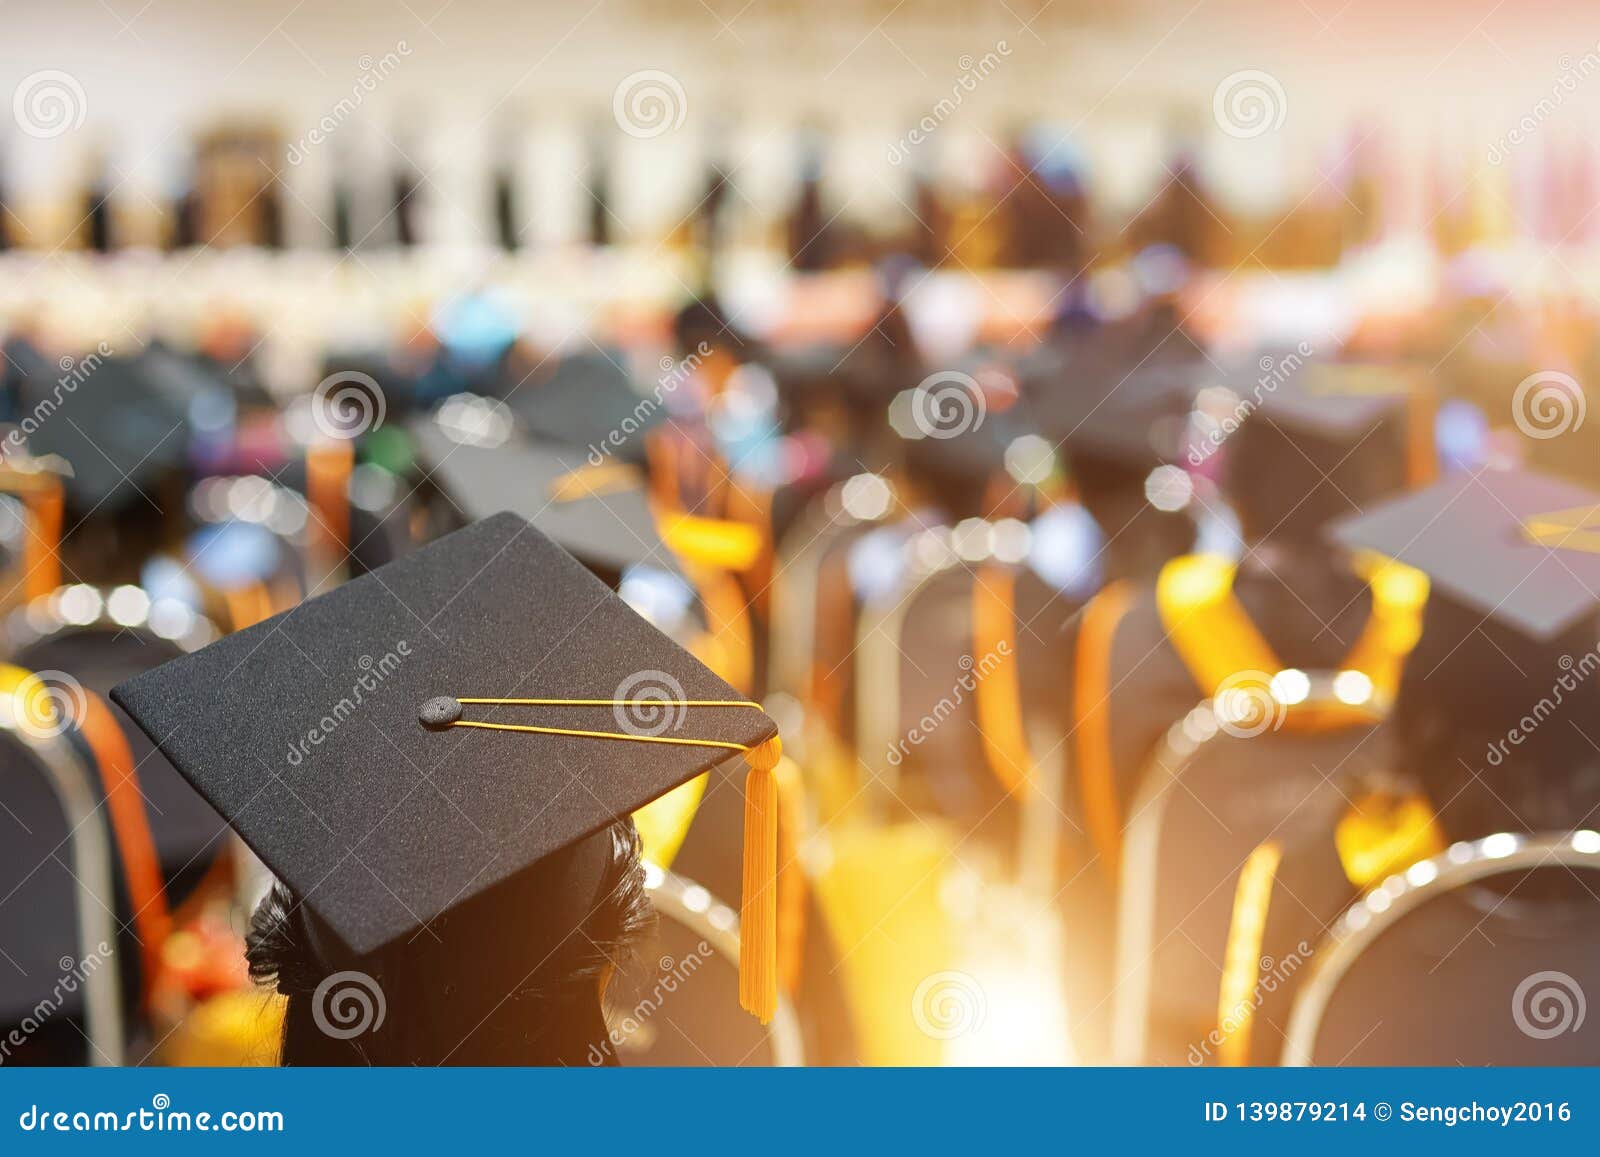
(758, 907)
(595, 482)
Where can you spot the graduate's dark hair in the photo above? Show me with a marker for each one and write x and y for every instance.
(703, 322)
(1499, 729)
(477, 987)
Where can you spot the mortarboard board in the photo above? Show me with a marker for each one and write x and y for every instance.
(365, 743)
(586, 399)
(600, 513)
(1522, 549)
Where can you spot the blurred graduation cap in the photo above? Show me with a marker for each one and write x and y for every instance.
(1135, 420)
(585, 399)
(397, 387)
(599, 513)
(1517, 548)
(1346, 402)
(124, 424)
(435, 785)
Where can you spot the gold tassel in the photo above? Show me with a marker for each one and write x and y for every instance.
(758, 909)
(792, 884)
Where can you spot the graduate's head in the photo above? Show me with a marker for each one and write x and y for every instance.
(1496, 705)
(513, 976)
(1499, 729)
(704, 336)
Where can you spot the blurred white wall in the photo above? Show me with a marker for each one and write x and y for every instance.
(1122, 80)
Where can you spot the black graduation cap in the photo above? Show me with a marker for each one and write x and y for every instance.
(587, 399)
(399, 745)
(1519, 548)
(598, 512)
(1132, 418)
(122, 423)
(1339, 401)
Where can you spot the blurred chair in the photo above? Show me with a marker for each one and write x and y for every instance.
(1483, 955)
(58, 930)
(1225, 778)
(952, 768)
(825, 524)
(99, 637)
(682, 1007)
(918, 718)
